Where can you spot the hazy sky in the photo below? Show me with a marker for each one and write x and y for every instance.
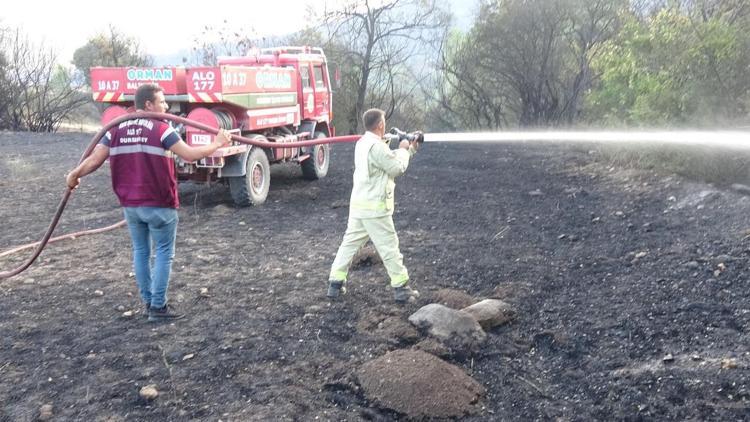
(161, 27)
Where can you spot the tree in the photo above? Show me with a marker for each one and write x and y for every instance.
(38, 94)
(111, 48)
(526, 62)
(218, 41)
(681, 65)
(382, 50)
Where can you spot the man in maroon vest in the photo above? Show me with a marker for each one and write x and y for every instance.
(143, 178)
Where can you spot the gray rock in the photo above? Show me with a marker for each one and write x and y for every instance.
(455, 327)
(491, 313)
(45, 412)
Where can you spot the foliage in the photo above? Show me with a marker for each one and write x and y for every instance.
(525, 62)
(112, 48)
(37, 93)
(672, 68)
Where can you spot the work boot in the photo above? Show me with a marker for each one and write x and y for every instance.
(165, 313)
(335, 289)
(402, 294)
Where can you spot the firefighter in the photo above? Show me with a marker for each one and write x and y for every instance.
(371, 206)
(143, 178)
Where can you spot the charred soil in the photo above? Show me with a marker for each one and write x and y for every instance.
(631, 291)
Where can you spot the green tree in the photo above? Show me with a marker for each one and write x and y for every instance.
(526, 62)
(677, 66)
(112, 48)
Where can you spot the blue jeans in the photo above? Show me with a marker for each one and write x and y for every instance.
(157, 225)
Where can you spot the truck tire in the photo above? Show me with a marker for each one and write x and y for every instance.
(252, 188)
(316, 167)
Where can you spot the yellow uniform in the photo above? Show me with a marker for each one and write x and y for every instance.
(371, 208)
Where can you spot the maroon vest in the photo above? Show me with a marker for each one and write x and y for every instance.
(143, 170)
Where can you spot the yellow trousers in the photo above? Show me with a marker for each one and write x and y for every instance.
(382, 232)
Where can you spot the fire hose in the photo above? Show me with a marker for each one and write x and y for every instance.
(144, 115)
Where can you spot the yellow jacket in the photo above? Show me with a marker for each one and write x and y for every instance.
(375, 167)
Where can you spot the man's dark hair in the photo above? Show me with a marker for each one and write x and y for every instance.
(372, 117)
(146, 92)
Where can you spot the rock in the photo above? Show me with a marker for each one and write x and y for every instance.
(668, 358)
(98, 293)
(120, 308)
(149, 392)
(45, 412)
(419, 385)
(728, 363)
(536, 192)
(740, 188)
(455, 299)
(191, 241)
(127, 314)
(203, 291)
(188, 356)
(490, 313)
(457, 328)
(298, 275)
(641, 254)
(619, 214)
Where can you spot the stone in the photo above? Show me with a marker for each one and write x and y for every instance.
(491, 313)
(149, 392)
(457, 328)
(45, 412)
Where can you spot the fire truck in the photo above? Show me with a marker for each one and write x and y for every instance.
(278, 95)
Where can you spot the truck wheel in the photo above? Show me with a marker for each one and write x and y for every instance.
(252, 188)
(316, 167)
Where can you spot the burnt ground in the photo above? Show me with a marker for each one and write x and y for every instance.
(631, 290)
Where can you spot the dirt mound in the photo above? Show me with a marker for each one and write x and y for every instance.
(418, 384)
(454, 299)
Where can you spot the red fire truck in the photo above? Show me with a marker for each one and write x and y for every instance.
(279, 95)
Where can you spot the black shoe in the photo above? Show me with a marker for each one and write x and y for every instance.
(165, 313)
(403, 293)
(335, 289)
